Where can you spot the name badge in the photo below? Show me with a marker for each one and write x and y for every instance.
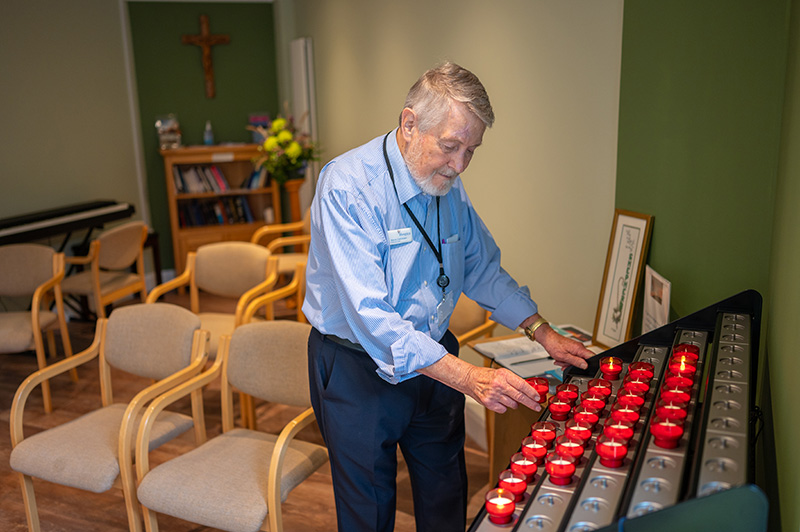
(399, 236)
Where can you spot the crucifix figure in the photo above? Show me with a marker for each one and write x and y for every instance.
(205, 41)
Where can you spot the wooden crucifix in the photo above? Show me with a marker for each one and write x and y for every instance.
(205, 41)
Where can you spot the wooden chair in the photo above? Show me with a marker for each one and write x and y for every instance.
(238, 271)
(301, 238)
(94, 452)
(470, 322)
(108, 277)
(33, 273)
(237, 481)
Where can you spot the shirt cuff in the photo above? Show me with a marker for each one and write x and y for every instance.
(411, 353)
(515, 308)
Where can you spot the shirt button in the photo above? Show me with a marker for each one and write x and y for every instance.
(425, 283)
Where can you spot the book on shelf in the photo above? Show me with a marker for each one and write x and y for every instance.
(197, 179)
(199, 212)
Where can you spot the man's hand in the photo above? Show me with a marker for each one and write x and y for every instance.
(496, 389)
(565, 351)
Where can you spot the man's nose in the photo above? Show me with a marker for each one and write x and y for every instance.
(460, 161)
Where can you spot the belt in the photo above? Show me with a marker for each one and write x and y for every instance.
(344, 342)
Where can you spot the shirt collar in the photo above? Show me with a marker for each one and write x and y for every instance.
(406, 186)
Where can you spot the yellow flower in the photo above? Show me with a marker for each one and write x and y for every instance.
(278, 124)
(271, 144)
(293, 150)
(285, 136)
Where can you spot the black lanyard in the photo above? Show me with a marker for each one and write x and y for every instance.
(442, 280)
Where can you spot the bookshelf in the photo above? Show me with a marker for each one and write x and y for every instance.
(212, 196)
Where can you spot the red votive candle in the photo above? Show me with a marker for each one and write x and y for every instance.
(594, 400)
(675, 393)
(586, 413)
(678, 381)
(623, 412)
(666, 432)
(560, 467)
(600, 386)
(645, 369)
(568, 391)
(671, 409)
(578, 429)
(545, 430)
(689, 350)
(541, 385)
(534, 448)
(630, 397)
(636, 383)
(514, 482)
(618, 428)
(611, 367)
(612, 451)
(566, 444)
(524, 466)
(559, 408)
(500, 505)
(681, 365)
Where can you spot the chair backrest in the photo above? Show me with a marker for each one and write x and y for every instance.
(307, 222)
(122, 245)
(230, 269)
(269, 360)
(23, 267)
(150, 340)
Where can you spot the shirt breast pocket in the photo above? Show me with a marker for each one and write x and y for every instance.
(453, 255)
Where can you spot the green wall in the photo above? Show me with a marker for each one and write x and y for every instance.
(699, 129)
(169, 78)
(784, 304)
(701, 109)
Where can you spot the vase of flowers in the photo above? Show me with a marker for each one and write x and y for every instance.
(285, 152)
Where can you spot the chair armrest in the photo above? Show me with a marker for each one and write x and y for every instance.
(172, 284)
(264, 286)
(93, 247)
(273, 229)
(37, 377)
(166, 398)
(276, 463)
(294, 285)
(285, 241)
(484, 329)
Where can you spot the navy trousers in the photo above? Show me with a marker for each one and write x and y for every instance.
(363, 419)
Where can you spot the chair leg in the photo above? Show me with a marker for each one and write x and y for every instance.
(248, 411)
(40, 360)
(150, 520)
(29, 499)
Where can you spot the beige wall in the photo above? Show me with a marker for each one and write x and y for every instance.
(544, 179)
(65, 126)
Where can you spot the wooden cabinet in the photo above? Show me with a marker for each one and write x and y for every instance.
(224, 213)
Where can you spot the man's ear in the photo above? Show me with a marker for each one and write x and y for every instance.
(408, 123)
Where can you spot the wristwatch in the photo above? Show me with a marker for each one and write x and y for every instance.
(531, 329)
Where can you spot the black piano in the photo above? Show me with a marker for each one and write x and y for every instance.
(62, 221)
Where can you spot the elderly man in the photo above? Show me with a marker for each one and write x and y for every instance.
(394, 242)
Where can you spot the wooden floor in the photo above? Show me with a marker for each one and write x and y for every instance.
(309, 508)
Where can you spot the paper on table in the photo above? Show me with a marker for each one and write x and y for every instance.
(520, 355)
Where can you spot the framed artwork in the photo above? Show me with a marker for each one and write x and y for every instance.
(627, 250)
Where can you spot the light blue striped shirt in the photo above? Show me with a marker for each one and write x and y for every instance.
(383, 296)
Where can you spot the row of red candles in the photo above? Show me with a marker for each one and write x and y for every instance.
(581, 419)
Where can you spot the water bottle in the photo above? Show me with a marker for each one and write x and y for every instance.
(208, 134)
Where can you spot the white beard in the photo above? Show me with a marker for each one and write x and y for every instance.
(425, 183)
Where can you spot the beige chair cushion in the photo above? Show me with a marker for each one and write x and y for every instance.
(276, 373)
(81, 283)
(83, 453)
(16, 330)
(24, 267)
(120, 246)
(223, 483)
(230, 269)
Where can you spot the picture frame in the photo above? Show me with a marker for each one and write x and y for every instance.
(622, 277)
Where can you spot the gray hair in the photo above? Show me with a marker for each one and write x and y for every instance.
(430, 97)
